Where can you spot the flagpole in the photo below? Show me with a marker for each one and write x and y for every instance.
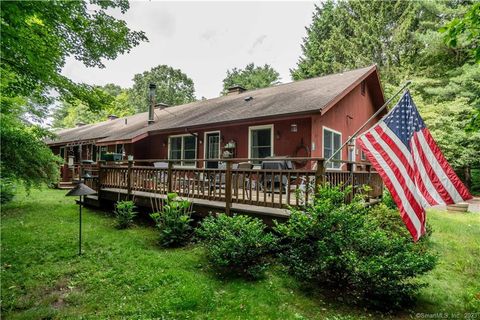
(406, 84)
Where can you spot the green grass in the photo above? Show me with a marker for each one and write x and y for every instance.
(124, 273)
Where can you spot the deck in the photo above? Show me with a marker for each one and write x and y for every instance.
(232, 188)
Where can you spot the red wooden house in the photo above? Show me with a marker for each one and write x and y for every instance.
(308, 118)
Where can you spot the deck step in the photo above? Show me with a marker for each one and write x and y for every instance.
(65, 185)
(91, 201)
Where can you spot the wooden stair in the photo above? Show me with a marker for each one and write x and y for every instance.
(65, 185)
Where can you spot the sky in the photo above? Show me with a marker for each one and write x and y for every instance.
(204, 40)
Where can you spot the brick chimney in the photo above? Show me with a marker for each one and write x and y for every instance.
(236, 89)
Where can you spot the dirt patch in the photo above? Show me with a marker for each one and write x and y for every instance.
(60, 292)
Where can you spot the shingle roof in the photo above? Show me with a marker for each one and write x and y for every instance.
(303, 96)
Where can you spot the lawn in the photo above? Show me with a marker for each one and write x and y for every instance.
(124, 273)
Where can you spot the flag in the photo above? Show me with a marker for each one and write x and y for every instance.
(412, 166)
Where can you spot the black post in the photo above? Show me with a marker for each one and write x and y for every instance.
(80, 230)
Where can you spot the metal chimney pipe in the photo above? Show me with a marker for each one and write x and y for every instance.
(151, 107)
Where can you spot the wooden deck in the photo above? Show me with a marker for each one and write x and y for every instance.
(269, 192)
(143, 198)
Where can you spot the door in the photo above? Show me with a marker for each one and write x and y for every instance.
(212, 149)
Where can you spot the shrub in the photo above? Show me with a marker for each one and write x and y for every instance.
(237, 245)
(7, 190)
(364, 253)
(387, 200)
(125, 212)
(173, 221)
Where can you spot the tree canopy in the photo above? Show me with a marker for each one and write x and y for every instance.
(252, 77)
(69, 113)
(432, 43)
(37, 37)
(173, 87)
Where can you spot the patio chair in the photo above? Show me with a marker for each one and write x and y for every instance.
(162, 176)
(271, 181)
(242, 180)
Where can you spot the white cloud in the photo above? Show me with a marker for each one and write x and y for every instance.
(204, 39)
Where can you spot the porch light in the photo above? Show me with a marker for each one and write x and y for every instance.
(293, 127)
(130, 157)
(80, 190)
(351, 143)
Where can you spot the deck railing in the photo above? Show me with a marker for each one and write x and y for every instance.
(235, 182)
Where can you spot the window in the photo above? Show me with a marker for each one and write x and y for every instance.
(93, 151)
(363, 156)
(183, 148)
(103, 150)
(62, 153)
(363, 88)
(260, 142)
(212, 148)
(119, 148)
(332, 141)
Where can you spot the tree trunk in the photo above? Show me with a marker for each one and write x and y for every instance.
(467, 176)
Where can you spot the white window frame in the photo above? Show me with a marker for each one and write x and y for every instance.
(330, 165)
(205, 143)
(181, 165)
(272, 135)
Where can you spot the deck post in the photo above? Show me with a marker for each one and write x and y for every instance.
(99, 178)
(169, 177)
(351, 178)
(129, 179)
(319, 175)
(228, 187)
(369, 179)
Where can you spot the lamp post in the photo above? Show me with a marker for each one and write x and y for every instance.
(80, 190)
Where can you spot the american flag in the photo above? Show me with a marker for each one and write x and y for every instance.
(413, 168)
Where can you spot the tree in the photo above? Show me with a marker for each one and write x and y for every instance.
(68, 114)
(446, 121)
(38, 36)
(173, 87)
(25, 158)
(351, 34)
(251, 77)
(36, 39)
(465, 32)
(403, 39)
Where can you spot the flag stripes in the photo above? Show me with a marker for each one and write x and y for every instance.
(413, 168)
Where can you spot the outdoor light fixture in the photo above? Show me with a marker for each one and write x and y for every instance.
(293, 127)
(351, 143)
(130, 157)
(80, 190)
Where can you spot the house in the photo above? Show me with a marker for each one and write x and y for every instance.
(308, 118)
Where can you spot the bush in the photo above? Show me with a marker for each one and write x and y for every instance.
(7, 190)
(173, 221)
(366, 254)
(125, 212)
(237, 245)
(387, 200)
